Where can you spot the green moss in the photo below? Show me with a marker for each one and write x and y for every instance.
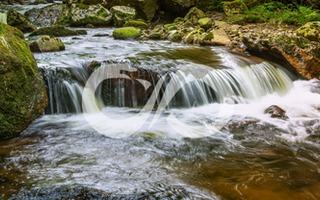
(157, 28)
(235, 7)
(205, 23)
(82, 6)
(136, 24)
(176, 37)
(126, 33)
(208, 37)
(311, 31)
(1, 29)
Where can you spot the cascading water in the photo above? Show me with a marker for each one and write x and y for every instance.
(251, 157)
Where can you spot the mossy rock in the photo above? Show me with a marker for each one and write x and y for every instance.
(194, 37)
(175, 37)
(178, 19)
(157, 28)
(19, 21)
(194, 15)
(235, 7)
(22, 93)
(205, 23)
(136, 24)
(126, 33)
(155, 35)
(96, 15)
(57, 31)
(310, 30)
(47, 44)
(237, 19)
(122, 14)
(170, 27)
(207, 38)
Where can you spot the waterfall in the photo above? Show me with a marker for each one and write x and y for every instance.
(3, 18)
(65, 86)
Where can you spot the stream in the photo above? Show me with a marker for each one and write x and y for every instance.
(170, 149)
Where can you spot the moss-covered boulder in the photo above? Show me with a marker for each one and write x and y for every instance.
(310, 30)
(205, 23)
(136, 24)
(20, 22)
(22, 94)
(235, 7)
(298, 54)
(96, 15)
(122, 14)
(194, 15)
(194, 37)
(175, 36)
(57, 31)
(154, 35)
(126, 33)
(207, 38)
(47, 44)
(170, 27)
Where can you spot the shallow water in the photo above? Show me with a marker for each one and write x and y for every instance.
(264, 159)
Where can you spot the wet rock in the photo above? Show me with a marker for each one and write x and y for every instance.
(126, 33)
(89, 26)
(23, 96)
(177, 6)
(19, 21)
(194, 37)
(49, 15)
(194, 15)
(154, 35)
(96, 15)
(136, 24)
(57, 31)
(78, 193)
(235, 7)
(146, 9)
(298, 54)
(276, 112)
(47, 44)
(310, 30)
(122, 14)
(315, 88)
(101, 35)
(205, 23)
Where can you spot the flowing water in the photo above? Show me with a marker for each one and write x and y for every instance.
(185, 122)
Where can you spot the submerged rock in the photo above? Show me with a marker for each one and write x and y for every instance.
(57, 31)
(126, 33)
(122, 14)
(47, 44)
(310, 30)
(276, 112)
(96, 15)
(19, 21)
(136, 24)
(79, 193)
(22, 93)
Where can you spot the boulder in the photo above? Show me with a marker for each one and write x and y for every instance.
(220, 38)
(146, 9)
(126, 33)
(122, 14)
(310, 30)
(23, 96)
(194, 15)
(49, 15)
(136, 24)
(57, 31)
(298, 54)
(205, 23)
(96, 15)
(194, 37)
(154, 35)
(47, 44)
(178, 7)
(175, 36)
(235, 7)
(276, 112)
(19, 21)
